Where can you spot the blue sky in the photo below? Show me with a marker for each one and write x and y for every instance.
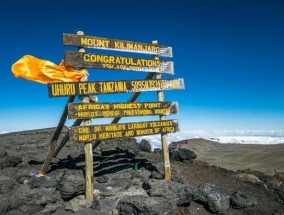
(230, 53)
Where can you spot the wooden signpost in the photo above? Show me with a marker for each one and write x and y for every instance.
(100, 61)
(107, 87)
(116, 45)
(110, 131)
(104, 110)
(83, 112)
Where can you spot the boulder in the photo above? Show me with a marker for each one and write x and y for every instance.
(9, 161)
(129, 145)
(145, 146)
(105, 206)
(50, 208)
(158, 151)
(176, 174)
(181, 155)
(77, 204)
(45, 181)
(278, 187)
(156, 175)
(6, 184)
(72, 184)
(5, 204)
(28, 201)
(181, 194)
(240, 200)
(279, 176)
(246, 177)
(213, 197)
(145, 205)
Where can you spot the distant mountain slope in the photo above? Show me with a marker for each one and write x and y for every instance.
(267, 158)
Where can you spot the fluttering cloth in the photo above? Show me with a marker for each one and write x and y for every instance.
(44, 71)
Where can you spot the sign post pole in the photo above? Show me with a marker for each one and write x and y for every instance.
(54, 139)
(167, 165)
(88, 148)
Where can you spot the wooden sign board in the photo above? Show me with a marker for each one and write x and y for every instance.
(104, 110)
(116, 45)
(101, 61)
(110, 131)
(107, 87)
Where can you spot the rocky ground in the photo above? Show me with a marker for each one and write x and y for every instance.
(196, 187)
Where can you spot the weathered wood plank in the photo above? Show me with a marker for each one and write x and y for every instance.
(122, 109)
(110, 131)
(160, 95)
(107, 87)
(102, 61)
(115, 45)
(55, 137)
(88, 148)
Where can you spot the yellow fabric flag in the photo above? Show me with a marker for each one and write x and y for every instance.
(44, 71)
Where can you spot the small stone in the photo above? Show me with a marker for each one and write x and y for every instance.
(248, 178)
(240, 200)
(102, 179)
(279, 176)
(115, 212)
(26, 182)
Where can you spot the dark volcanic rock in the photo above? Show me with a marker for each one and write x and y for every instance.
(216, 199)
(129, 145)
(158, 150)
(78, 203)
(102, 179)
(5, 204)
(9, 161)
(181, 194)
(72, 184)
(145, 205)
(28, 201)
(279, 176)
(145, 146)
(51, 208)
(46, 181)
(240, 200)
(176, 174)
(278, 187)
(6, 184)
(22, 178)
(105, 206)
(3, 154)
(156, 175)
(182, 154)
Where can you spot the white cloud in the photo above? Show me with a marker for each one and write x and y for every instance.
(222, 136)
